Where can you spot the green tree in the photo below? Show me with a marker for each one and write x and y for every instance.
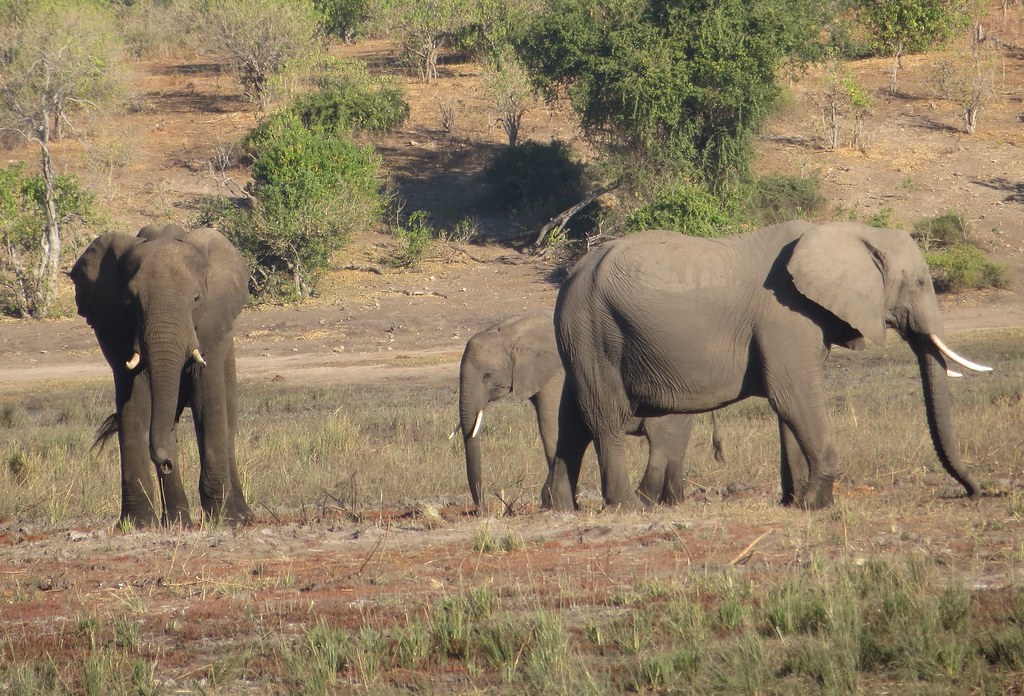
(341, 18)
(671, 87)
(259, 38)
(310, 190)
(57, 57)
(909, 26)
(23, 213)
(422, 28)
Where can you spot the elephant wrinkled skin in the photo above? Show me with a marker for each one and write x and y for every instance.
(659, 322)
(518, 357)
(163, 304)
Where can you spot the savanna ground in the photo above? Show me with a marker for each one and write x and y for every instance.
(366, 570)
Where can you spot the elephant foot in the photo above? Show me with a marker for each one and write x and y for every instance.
(818, 497)
(134, 520)
(630, 503)
(177, 518)
(646, 498)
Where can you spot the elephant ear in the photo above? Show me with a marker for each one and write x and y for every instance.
(534, 358)
(835, 267)
(98, 278)
(227, 281)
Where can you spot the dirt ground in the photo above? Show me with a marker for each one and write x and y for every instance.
(373, 322)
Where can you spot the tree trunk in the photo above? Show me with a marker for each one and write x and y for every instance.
(49, 266)
(971, 119)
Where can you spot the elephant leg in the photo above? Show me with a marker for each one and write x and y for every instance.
(673, 438)
(792, 466)
(139, 497)
(545, 403)
(219, 488)
(559, 491)
(803, 412)
(665, 478)
(611, 456)
(231, 394)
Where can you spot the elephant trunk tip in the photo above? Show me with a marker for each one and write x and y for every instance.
(163, 462)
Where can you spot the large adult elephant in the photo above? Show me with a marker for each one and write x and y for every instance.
(659, 322)
(162, 304)
(518, 357)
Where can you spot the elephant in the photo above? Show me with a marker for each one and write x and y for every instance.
(518, 357)
(162, 304)
(659, 322)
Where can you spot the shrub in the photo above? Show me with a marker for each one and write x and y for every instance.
(688, 208)
(535, 178)
(940, 231)
(22, 218)
(310, 191)
(775, 198)
(961, 267)
(338, 109)
(341, 18)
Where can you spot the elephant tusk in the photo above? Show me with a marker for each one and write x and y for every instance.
(458, 426)
(133, 361)
(198, 357)
(478, 423)
(963, 362)
(953, 373)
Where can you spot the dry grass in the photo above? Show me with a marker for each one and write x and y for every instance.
(902, 584)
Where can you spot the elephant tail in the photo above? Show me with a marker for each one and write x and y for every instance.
(716, 440)
(107, 430)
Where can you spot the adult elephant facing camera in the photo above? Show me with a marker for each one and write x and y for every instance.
(162, 305)
(659, 322)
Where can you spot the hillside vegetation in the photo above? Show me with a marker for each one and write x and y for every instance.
(832, 134)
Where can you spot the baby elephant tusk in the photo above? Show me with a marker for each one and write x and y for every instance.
(198, 357)
(963, 362)
(134, 361)
(478, 423)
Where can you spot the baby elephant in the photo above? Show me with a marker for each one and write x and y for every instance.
(518, 356)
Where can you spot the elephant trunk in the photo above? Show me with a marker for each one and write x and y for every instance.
(937, 404)
(165, 350)
(472, 399)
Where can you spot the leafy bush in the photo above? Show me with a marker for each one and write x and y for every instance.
(688, 208)
(961, 267)
(22, 220)
(775, 198)
(940, 231)
(681, 85)
(417, 235)
(534, 178)
(353, 102)
(341, 18)
(310, 191)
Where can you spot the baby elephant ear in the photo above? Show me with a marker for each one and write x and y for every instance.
(534, 358)
(834, 266)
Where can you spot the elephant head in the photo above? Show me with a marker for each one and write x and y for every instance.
(515, 356)
(159, 302)
(873, 279)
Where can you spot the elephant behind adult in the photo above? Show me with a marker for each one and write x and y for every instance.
(659, 322)
(518, 357)
(162, 304)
